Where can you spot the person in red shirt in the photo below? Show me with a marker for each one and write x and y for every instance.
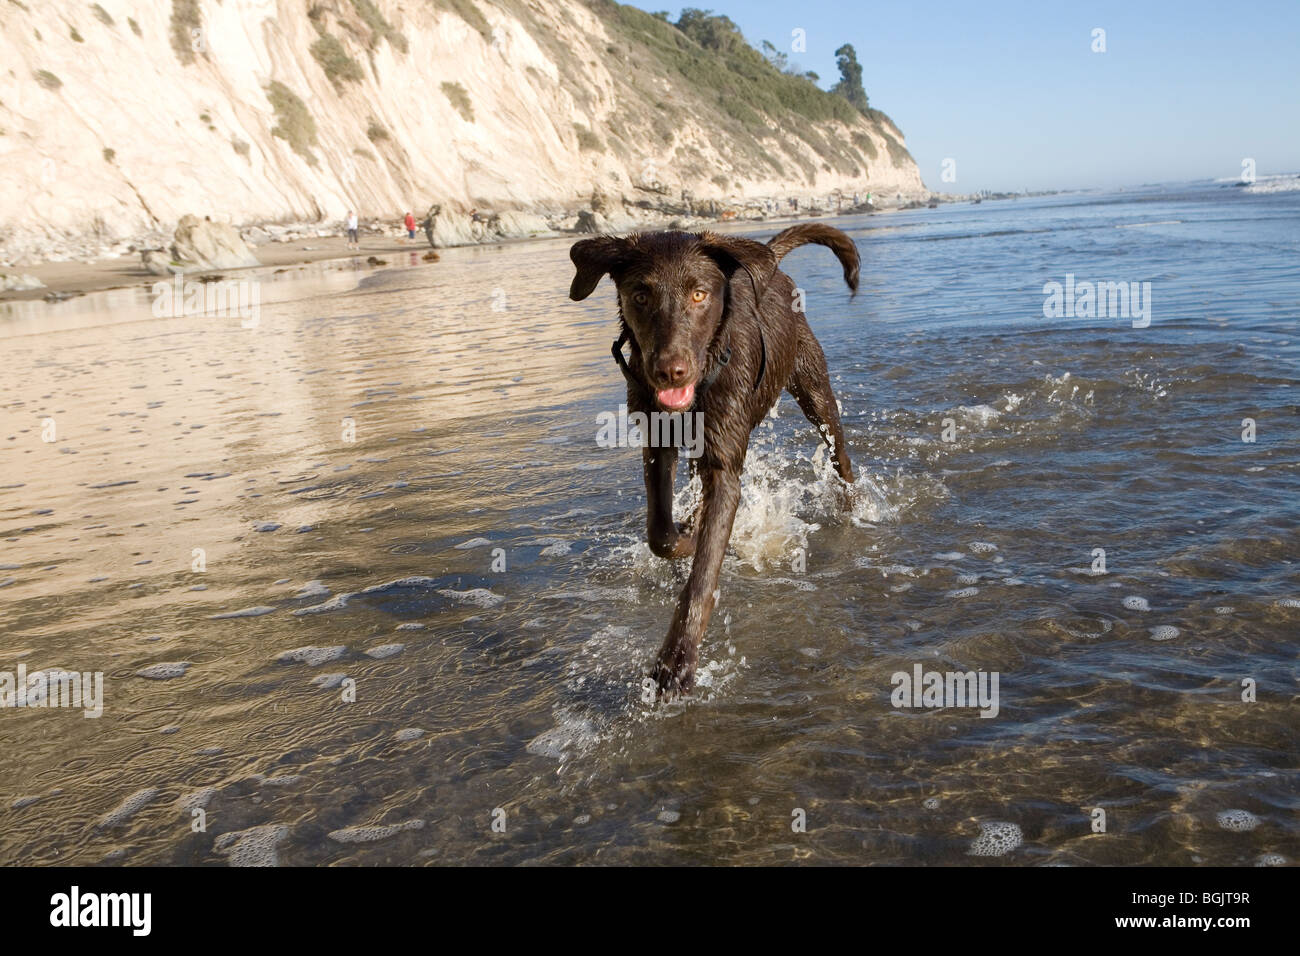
(410, 226)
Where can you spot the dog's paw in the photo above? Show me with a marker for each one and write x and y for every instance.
(679, 545)
(684, 546)
(848, 496)
(672, 681)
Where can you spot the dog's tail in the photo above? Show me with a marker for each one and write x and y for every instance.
(833, 239)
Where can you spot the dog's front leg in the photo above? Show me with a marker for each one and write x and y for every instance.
(666, 538)
(674, 671)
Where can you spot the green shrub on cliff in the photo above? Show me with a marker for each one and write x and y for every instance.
(458, 96)
(865, 143)
(334, 60)
(186, 21)
(587, 139)
(294, 123)
(380, 28)
(467, 11)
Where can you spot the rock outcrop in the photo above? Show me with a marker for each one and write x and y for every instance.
(210, 245)
(19, 283)
(159, 263)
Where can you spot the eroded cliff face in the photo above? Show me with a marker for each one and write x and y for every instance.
(119, 117)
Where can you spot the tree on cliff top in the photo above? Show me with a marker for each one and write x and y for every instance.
(709, 31)
(850, 84)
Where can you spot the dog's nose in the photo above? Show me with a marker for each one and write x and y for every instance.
(673, 370)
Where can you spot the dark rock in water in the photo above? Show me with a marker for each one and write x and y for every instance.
(376, 261)
(431, 256)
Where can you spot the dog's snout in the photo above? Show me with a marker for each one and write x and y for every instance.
(672, 370)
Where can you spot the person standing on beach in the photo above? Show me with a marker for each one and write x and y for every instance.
(410, 226)
(352, 231)
(430, 219)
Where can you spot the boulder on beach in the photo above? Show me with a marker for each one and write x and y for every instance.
(521, 225)
(592, 222)
(19, 283)
(159, 263)
(210, 245)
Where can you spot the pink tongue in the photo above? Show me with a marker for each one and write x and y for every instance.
(676, 397)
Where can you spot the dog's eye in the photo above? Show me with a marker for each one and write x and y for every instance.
(699, 295)
(641, 298)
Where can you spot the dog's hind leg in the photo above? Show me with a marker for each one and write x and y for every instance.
(667, 539)
(811, 387)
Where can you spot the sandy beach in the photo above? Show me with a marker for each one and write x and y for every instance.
(74, 278)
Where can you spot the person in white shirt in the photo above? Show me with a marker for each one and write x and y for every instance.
(352, 231)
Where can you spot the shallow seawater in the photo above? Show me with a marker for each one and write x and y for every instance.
(209, 532)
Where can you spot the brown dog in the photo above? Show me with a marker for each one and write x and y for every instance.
(713, 329)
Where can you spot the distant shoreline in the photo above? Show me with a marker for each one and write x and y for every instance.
(69, 279)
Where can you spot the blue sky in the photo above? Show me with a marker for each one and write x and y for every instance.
(1012, 92)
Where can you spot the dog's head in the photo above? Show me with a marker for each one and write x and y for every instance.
(673, 291)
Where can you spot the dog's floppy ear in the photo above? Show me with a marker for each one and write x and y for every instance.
(733, 252)
(593, 258)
